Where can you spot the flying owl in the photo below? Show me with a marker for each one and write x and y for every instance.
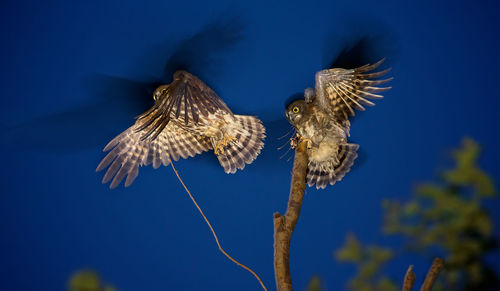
(187, 118)
(322, 119)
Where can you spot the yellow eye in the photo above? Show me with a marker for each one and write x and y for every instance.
(159, 93)
(295, 109)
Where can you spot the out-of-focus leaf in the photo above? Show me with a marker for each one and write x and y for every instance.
(351, 251)
(369, 261)
(314, 284)
(467, 172)
(85, 280)
(88, 280)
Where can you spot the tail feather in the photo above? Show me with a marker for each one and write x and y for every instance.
(334, 169)
(247, 146)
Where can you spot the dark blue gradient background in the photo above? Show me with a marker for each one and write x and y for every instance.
(56, 217)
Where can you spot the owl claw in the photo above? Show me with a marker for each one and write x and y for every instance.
(219, 148)
(295, 141)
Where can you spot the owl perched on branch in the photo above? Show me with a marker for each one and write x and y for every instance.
(187, 118)
(322, 119)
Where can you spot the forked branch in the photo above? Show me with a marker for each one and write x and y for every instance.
(437, 266)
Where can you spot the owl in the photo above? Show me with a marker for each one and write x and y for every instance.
(322, 119)
(187, 118)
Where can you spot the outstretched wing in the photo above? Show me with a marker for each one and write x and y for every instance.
(340, 91)
(128, 151)
(185, 98)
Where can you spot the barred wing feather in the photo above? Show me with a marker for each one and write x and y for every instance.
(340, 91)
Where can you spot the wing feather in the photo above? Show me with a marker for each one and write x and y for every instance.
(134, 168)
(128, 151)
(340, 91)
(186, 96)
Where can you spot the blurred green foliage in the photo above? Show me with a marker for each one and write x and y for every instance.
(369, 261)
(444, 218)
(314, 284)
(87, 280)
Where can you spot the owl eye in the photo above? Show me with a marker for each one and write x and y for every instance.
(158, 94)
(295, 109)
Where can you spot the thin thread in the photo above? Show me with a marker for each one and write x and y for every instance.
(213, 232)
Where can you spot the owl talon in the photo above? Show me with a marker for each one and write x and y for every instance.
(295, 141)
(219, 148)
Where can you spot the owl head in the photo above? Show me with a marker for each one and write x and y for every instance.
(296, 111)
(159, 91)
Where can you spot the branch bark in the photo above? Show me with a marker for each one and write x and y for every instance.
(285, 224)
(409, 279)
(437, 266)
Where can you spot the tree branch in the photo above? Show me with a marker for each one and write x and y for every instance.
(409, 279)
(285, 224)
(436, 267)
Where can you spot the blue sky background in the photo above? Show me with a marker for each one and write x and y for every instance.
(56, 217)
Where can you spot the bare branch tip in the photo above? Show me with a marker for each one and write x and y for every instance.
(409, 279)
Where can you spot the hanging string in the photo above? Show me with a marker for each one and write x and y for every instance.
(213, 232)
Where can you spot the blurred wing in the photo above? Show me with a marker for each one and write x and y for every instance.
(340, 91)
(128, 151)
(187, 97)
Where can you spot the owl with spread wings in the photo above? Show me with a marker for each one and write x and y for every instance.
(322, 119)
(187, 118)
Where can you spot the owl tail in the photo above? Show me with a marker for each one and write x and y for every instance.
(332, 170)
(248, 143)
